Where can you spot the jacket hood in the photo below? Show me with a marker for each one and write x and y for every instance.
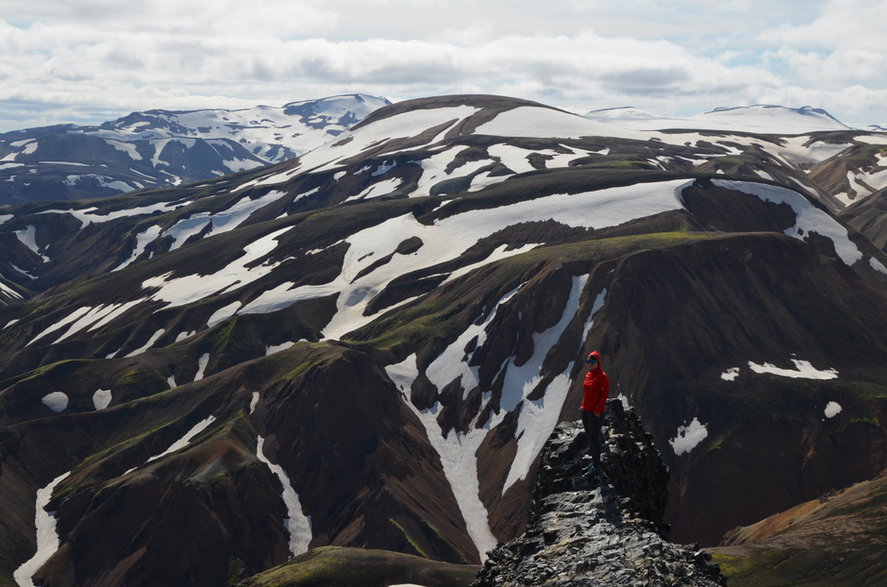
(596, 355)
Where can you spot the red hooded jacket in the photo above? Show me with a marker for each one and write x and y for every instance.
(597, 388)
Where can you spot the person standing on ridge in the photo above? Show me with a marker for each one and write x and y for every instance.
(597, 389)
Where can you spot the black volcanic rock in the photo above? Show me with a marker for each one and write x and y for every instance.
(604, 530)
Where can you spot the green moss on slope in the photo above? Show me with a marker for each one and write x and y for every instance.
(343, 567)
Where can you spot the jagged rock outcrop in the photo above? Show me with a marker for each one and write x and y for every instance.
(605, 530)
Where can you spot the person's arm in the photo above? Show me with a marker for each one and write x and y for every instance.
(605, 393)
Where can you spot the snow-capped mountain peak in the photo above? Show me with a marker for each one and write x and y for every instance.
(160, 148)
(758, 118)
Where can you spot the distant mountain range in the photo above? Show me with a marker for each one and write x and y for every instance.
(161, 148)
(370, 343)
(760, 118)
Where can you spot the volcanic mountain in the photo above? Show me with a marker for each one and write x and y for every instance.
(370, 344)
(160, 148)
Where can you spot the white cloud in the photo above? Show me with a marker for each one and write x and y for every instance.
(841, 24)
(97, 59)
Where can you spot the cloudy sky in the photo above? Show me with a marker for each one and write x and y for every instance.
(87, 61)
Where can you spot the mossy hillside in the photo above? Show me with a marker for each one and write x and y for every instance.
(139, 382)
(863, 155)
(294, 363)
(733, 409)
(56, 370)
(419, 550)
(819, 566)
(127, 435)
(345, 567)
(20, 398)
(432, 317)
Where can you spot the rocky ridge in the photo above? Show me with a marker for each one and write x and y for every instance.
(605, 530)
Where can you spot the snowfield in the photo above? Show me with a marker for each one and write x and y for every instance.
(448, 238)
(542, 123)
(759, 118)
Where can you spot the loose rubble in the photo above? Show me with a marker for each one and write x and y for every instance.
(601, 530)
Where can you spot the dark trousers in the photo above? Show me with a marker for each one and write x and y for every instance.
(592, 423)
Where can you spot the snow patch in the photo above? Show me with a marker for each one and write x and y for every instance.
(9, 291)
(384, 168)
(253, 402)
(537, 419)
(880, 139)
(688, 437)
(28, 237)
(142, 240)
(186, 439)
(877, 265)
(219, 222)
(223, 314)
(832, 409)
(730, 374)
(101, 399)
(57, 401)
(595, 308)
(202, 362)
(47, 536)
(183, 335)
(276, 348)
(377, 189)
(147, 345)
(297, 523)
(803, 370)
(101, 180)
(179, 291)
(88, 215)
(73, 316)
(113, 311)
(458, 457)
(22, 271)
